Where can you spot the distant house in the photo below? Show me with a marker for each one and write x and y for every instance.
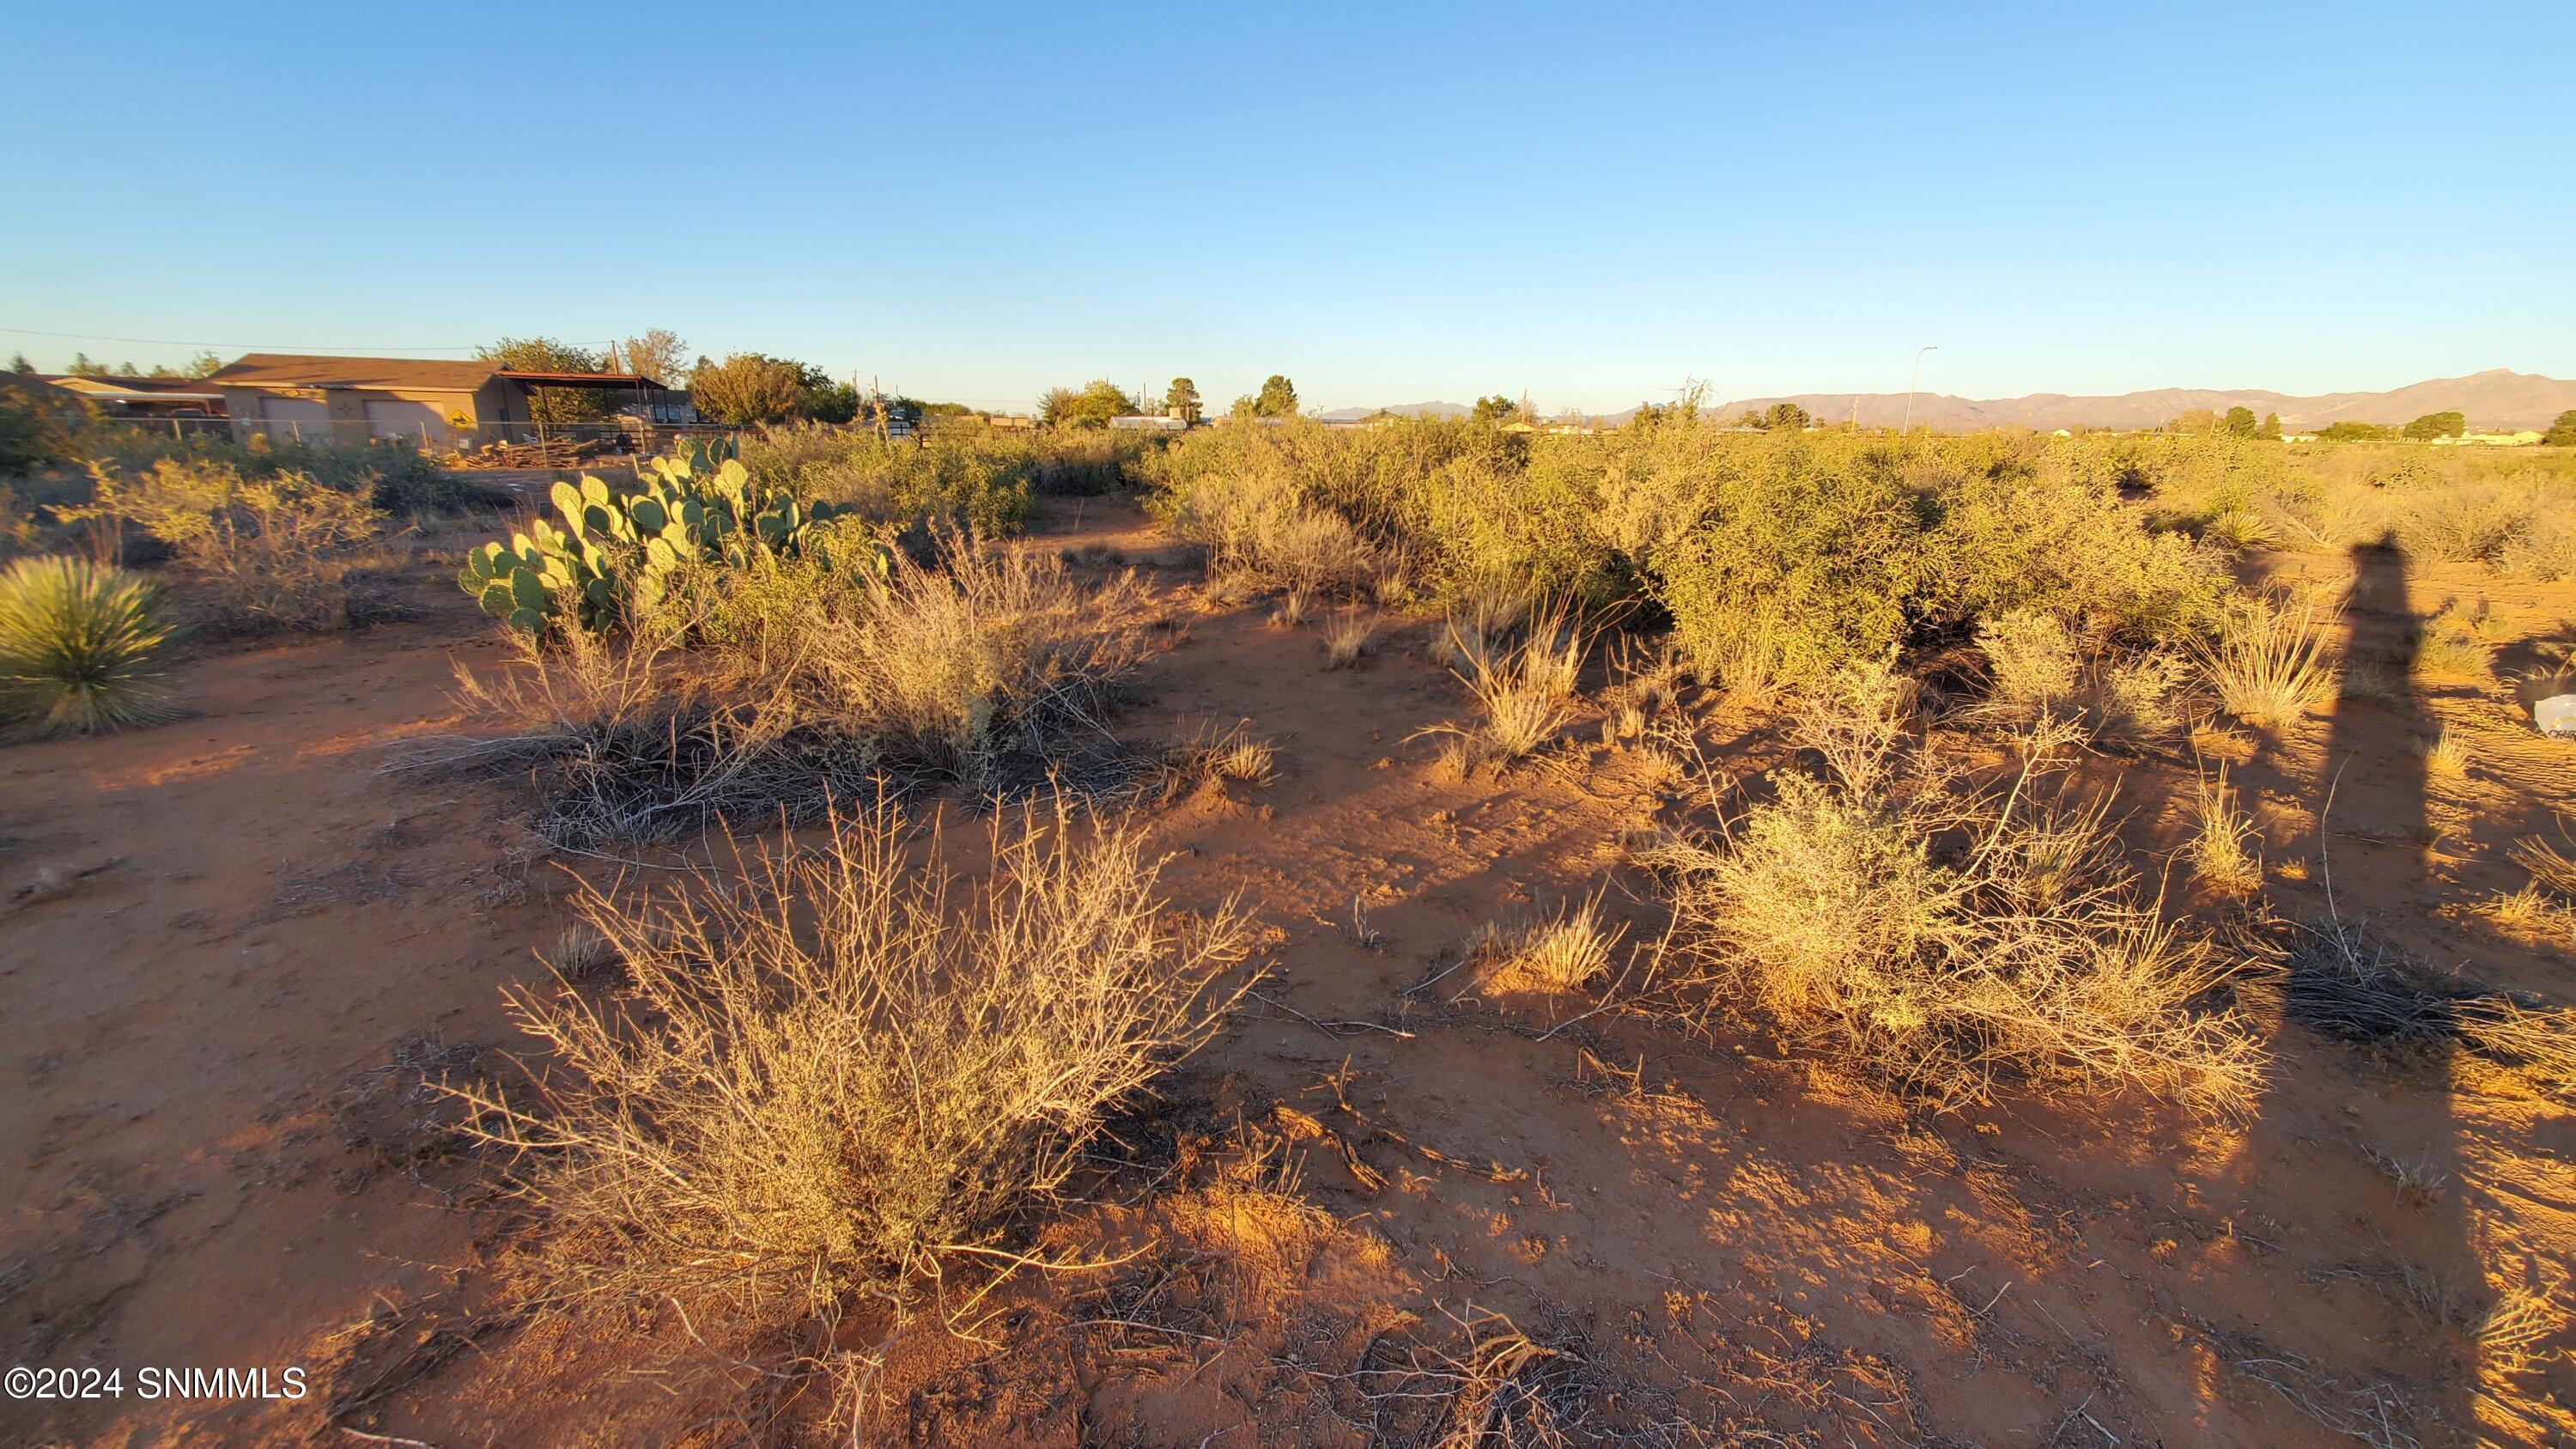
(145, 397)
(2523, 439)
(1149, 423)
(352, 400)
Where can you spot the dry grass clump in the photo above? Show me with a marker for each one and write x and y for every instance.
(1346, 638)
(2372, 678)
(1949, 939)
(82, 647)
(1554, 954)
(2532, 915)
(963, 668)
(2446, 755)
(2551, 868)
(1215, 756)
(844, 1074)
(2269, 662)
(1522, 691)
(2454, 647)
(2222, 851)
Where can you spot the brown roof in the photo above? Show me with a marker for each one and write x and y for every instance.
(281, 369)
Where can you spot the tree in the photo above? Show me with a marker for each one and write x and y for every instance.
(18, 363)
(2562, 433)
(126, 369)
(2239, 423)
(1182, 397)
(1093, 407)
(823, 400)
(1495, 409)
(1646, 415)
(2436, 425)
(83, 367)
(1786, 417)
(656, 353)
(1278, 398)
(2356, 433)
(747, 388)
(2271, 428)
(545, 354)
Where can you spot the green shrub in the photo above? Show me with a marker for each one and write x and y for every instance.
(259, 551)
(81, 647)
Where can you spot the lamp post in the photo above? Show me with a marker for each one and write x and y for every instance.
(1911, 381)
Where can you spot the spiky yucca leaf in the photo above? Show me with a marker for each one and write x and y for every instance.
(81, 647)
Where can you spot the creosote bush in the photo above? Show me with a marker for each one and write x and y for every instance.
(1949, 939)
(81, 647)
(845, 1074)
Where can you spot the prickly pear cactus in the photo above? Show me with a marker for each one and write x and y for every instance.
(619, 547)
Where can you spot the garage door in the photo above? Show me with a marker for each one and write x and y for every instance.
(410, 421)
(293, 418)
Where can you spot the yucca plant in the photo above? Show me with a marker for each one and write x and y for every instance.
(81, 647)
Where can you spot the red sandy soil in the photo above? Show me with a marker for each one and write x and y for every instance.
(233, 947)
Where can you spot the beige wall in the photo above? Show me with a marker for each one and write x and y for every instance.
(348, 419)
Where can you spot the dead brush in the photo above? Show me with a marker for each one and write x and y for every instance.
(1213, 756)
(1948, 939)
(2345, 981)
(625, 740)
(2269, 662)
(836, 1074)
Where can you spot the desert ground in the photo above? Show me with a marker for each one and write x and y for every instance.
(239, 949)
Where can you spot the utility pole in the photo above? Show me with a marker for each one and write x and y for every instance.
(1910, 384)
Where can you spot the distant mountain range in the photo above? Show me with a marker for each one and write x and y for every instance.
(2495, 399)
(1410, 410)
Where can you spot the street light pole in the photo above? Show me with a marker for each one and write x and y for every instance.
(1911, 381)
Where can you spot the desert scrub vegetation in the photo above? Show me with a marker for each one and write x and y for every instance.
(1943, 937)
(1773, 558)
(82, 647)
(842, 1075)
(758, 686)
(960, 474)
(252, 552)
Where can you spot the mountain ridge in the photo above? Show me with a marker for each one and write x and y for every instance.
(2496, 399)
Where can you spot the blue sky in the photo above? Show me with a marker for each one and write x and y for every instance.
(1387, 203)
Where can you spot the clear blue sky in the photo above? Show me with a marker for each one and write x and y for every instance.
(1388, 203)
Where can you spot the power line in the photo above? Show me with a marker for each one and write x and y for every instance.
(244, 346)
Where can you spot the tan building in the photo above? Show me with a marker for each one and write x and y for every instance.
(351, 400)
